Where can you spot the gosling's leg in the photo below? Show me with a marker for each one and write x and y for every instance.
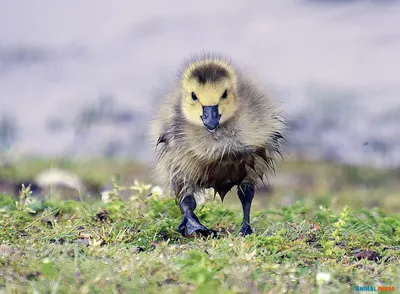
(246, 195)
(190, 223)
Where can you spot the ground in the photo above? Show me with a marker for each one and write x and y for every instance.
(324, 228)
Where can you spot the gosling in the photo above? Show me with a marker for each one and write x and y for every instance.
(215, 129)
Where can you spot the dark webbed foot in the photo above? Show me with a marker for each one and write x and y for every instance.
(246, 229)
(246, 195)
(190, 224)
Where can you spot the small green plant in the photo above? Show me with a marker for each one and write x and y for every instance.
(114, 194)
(24, 198)
(341, 224)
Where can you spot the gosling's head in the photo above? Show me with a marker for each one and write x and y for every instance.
(209, 95)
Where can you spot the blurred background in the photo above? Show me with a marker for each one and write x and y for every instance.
(82, 78)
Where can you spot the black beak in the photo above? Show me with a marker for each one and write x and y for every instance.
(211, 117)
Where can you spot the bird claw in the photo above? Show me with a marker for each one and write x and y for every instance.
(246, 230)
(189, 225)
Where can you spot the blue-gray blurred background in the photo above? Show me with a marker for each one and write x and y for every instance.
(81, 78)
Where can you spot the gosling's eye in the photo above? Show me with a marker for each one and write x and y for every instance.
(225, 94)
(194, 97)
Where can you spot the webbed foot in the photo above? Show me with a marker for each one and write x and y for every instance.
(190, 224)
(246, 229)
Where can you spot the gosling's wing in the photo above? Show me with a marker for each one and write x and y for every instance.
(163, 139)
(163, 142)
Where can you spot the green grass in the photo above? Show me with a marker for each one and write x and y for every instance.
(336, 234)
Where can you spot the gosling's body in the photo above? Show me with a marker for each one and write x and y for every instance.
(216, 129)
